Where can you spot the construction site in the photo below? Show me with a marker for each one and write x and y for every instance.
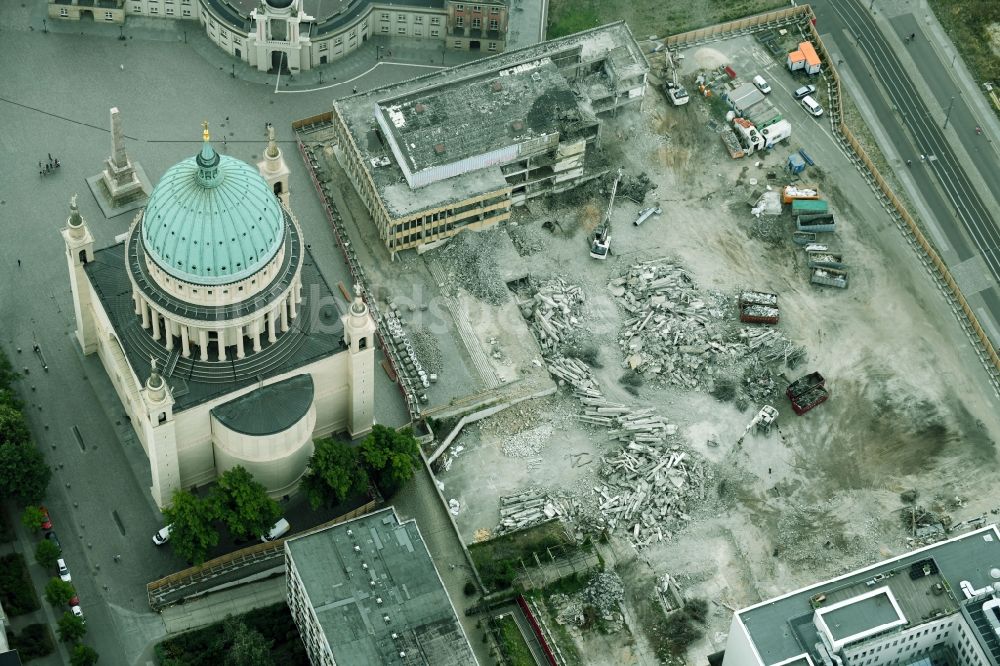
(655, 388)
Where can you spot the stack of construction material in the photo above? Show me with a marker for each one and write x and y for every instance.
(553, 312)
(676, 335)
(625, 423)
(525, 509)
(758, 307)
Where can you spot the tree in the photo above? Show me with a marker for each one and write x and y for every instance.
(58, 592)
(83, 655)
(32, 518)
(23, 472)
(243, 504)
(192, 533)
(335, 473)
(13, 429)
(390, 456)
(46, 553)
(71, 628)
(247, 647)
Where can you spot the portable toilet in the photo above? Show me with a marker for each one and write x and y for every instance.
(795, 163)
(796, 60)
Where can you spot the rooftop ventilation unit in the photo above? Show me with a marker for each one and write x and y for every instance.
(378, 600)
(372, 582)
(350, 532)
(357, 549)
(395, 636)
(402, 655)
(386, 618)
(364, 565)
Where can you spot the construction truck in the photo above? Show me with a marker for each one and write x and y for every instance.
(766, 417)
(600, 246)
(753, 139)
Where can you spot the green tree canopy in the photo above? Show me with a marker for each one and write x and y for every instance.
(335, 473)
(58, 592)
(243, 504)
(192, 533)
(46, 553)
(83, 655)
(13, 429)
(71, 628)
(390, 455)
(247, 646)
(23, 472)
(32, 518)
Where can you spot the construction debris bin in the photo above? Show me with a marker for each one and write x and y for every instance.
(830, 277)
(815, 223)
(759, 307)
(810, 207)
(806, 392)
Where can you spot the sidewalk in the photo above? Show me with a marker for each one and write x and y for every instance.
(25, 545)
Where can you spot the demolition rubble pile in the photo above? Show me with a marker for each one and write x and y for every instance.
(553, 313)
(525, 509)
(676, 335)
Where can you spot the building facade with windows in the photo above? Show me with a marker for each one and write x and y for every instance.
(366, 591)
(298, 35)
(222, 339)
(936, 606)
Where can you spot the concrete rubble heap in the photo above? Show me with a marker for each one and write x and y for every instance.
(473, 265)
(604, 594)
(676, 335)
(554, 313)
(527, 508)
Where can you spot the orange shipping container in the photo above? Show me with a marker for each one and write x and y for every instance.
(812, 60)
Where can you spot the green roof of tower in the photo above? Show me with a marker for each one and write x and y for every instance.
(212, 219)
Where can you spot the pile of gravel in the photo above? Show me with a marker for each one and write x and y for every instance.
(605, 592)
(474, 266)
(527, 240)
(425, 346)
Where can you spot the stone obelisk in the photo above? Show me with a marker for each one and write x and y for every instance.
(122, 185)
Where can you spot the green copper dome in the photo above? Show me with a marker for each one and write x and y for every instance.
(212, 219)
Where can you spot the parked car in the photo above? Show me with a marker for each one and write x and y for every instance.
(51, 536)
(74, 600)
(803, 91)
(762, 84)
(46, 521)
(78, 612)
(812, 106)
(63, 570)
(279, 530)
(162, 536)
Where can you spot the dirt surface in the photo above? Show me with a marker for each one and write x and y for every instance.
(910, 406)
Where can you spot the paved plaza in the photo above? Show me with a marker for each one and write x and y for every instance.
(165, 78)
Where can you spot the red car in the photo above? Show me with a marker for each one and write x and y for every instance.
(46, 521)
(74, 601)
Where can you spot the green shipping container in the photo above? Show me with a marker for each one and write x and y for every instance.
(809, 206)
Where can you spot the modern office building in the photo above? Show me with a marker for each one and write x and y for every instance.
(936, 606)
(456, 149)
(222, 339)
(366, 592)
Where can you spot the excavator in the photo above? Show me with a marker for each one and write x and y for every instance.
(600, 247)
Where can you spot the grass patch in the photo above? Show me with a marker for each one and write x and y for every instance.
(648, 17)
(34, 641)
(205, 646)
(512, 643)
(499, 560)
(17, 594)
(967, 23)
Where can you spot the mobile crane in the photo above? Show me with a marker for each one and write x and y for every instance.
(600, 247)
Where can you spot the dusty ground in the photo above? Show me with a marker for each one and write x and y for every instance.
(910, 407)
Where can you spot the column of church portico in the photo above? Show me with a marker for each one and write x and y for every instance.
(271, 333)
(144, 306)
(203, 344)
(294, 299)
(239, 343)
(221, 342)
(137, 300)
(256, 326)
(154, 319)
(185, 342)
(284, 314)
(168, 329)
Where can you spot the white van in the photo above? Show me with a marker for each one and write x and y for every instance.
(761, 84)
(279, 530)
(812, 106)
(162, 536)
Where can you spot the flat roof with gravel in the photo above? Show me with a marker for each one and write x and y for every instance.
(377, 594)
(783, 628)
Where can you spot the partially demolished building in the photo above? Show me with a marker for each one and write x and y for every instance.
(456, 149)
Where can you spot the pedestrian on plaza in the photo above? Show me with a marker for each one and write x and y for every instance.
(50, 157)
(913, 36)
(923, 157)
(909, 162)
(18, 263)
(355, 90)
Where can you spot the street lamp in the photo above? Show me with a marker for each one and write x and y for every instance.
(121, 33)
(378, 52)
(44, 29)
(234, 70)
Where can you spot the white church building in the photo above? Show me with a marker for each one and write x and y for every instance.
(222, 339)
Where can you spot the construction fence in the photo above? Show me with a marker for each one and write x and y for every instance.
(803, 17)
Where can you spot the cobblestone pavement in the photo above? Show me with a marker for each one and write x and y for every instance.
(58, 87)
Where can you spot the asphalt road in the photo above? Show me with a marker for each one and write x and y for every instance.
(945, 181)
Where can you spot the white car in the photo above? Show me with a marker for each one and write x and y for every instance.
(162, 536)
(63, 570)
(279, 530)
(762, 84)
(77, 611)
